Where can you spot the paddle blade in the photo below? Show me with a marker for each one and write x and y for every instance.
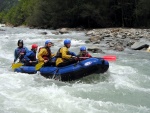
(17, 65)
(39, 65)
(109, 57)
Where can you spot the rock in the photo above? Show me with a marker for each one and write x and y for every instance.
(63, 31)
(111, 44)
(2, 30)
(95, 38)
(108, 39)
(96, 42)
(55, 32)
(115, 30)
(124, 36)
(90, 33)
(95, 50)
(119, 38)
(107, 35)
(141, 36)
(43, 33)
(130, 43)
(87, 41)
(119, 48)
(139, 45)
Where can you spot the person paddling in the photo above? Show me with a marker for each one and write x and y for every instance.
(30, 57)
(20, 51)
(83, 53)
(64, 57)
(45, 55)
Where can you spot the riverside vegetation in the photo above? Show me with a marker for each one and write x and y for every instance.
(78, 13)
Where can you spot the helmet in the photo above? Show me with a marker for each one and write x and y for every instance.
(47, 41)
(34, 46)
(20, 41)
(67, 41)
(82, 48)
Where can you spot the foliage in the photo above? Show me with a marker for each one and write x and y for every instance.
(143, 13)
(7, 4)
(77, 13)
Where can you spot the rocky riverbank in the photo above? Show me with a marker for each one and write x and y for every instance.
(114, 38)
(118, 38)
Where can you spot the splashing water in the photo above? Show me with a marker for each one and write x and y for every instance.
(125, 88)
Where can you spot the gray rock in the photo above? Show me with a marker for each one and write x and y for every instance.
(43, 33)
(119, 48)
(63, 30)
(95, 50)
(55, 32)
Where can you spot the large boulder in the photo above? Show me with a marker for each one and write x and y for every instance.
(139, 45)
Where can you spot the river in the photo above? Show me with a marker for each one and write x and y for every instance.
(124, 88)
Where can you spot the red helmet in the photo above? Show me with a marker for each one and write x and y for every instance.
(34, 46)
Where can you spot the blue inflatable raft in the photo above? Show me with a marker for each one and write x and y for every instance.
(71, 72)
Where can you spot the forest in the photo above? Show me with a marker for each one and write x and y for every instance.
(76, 13)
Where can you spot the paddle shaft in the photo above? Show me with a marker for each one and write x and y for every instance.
(108, 58)
(17, 58)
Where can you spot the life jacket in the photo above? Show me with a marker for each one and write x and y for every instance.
(59, 54)
(21, 50)
(84, 55)
(48, 56)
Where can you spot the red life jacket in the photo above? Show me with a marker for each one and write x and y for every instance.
(85, 55)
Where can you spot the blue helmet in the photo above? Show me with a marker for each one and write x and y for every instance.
(82, 48)
(47, 41)
(67, 41)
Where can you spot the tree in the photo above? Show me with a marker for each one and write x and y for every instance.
(143, 13)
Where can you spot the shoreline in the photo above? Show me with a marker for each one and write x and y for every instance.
(116, 38)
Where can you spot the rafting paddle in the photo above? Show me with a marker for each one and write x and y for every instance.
(39, 65)
(16, 65)
(107, 57)
(17, 58)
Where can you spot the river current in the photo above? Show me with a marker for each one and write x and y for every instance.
(124, 88)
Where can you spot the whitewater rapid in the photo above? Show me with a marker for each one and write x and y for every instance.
(125, 88)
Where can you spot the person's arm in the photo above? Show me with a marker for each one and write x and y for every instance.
(26, 57)
(52, 55)
(72, 53)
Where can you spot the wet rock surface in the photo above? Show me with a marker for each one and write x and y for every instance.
(118, 38)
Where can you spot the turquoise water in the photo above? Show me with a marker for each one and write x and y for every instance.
(124, 88)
